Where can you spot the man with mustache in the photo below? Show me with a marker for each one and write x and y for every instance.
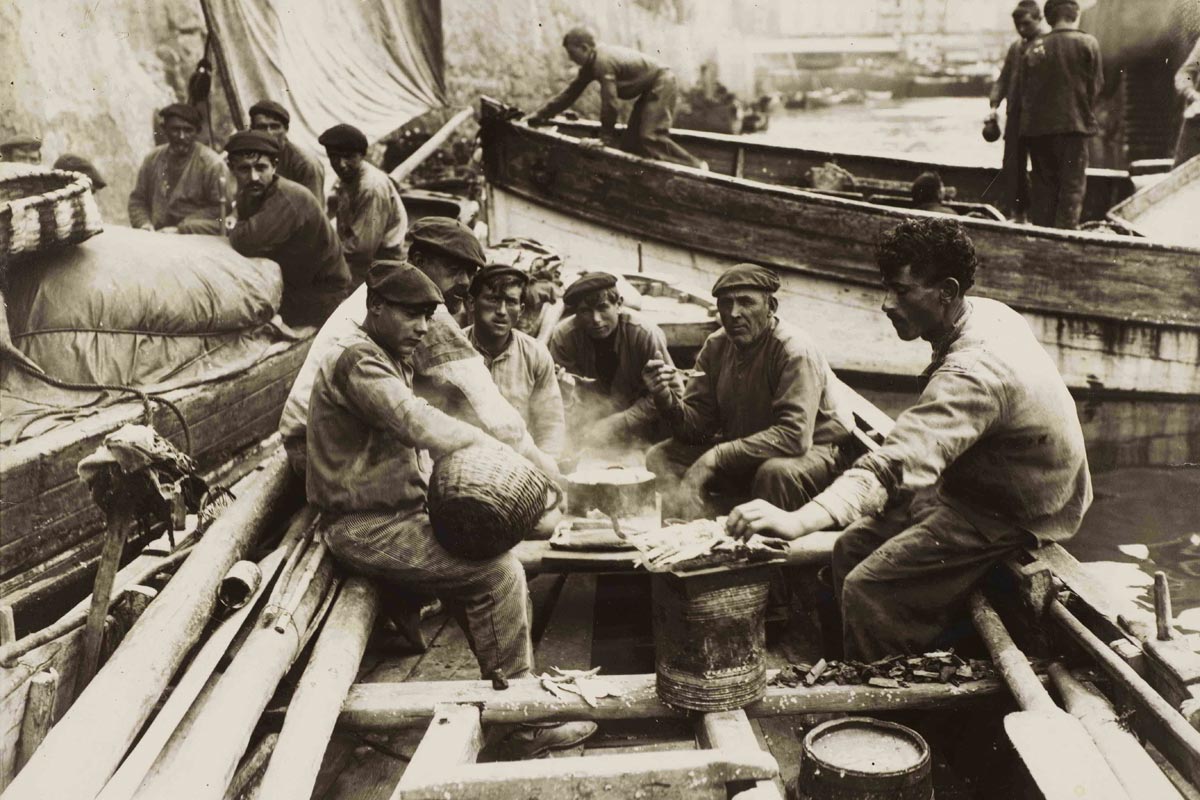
(521, 366)
(609, 345)
(371, 220)
(182, 185)
(281, 220)
(989, 459)
(295, 163)
(763, 417)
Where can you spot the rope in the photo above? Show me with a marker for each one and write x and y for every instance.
(146, 399)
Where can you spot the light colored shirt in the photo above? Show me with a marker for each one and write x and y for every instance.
(775, 398)
(371, 220)
(995, 432)
(366, 428)
(524, 374)
(192, 202)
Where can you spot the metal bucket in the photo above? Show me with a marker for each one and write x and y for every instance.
(709, 638)
(859, 758)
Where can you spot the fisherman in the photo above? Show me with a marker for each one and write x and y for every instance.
(73, 163)
(624, 74)
(762, 418)
(280, 220)
(21, 149)
(365, 440)
(295, 163)
(1027, 19)
(990, 459)
(371, 220)
(447, 367)
(521, 366)
(928, 193)
(1060, 80)
(1187, 83)
(607, 345)
(182, 185)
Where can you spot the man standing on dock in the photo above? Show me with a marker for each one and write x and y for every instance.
(1060, 79)
(762, 417)
(295, 163)
(990, 459)
(624, 74)
(366, 436)
(1014, 171)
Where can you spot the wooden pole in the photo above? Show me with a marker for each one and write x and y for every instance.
(1133, 766)
(315, 706)
(1163, 617)
(95, 733)
(39, 714)
(8, 627)
(1009, 660)
(206, 761)
(222, 65)
(405, 168)
(249, 774)
(120, 522)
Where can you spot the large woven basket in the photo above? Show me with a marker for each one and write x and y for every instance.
(483, 500)
(43, 209)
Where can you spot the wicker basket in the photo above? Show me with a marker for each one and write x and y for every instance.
(42, 210)
(483, 500)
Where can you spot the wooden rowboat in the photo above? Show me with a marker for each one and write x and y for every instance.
(1118, 314)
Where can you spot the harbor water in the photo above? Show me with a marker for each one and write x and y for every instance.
(1144, 454)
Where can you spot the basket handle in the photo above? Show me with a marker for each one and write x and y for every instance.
(558, 496)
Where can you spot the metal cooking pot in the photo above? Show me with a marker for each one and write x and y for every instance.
(614, 491)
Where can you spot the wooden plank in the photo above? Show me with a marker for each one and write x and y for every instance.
(386, 706)
(539, 556)
(39, 713)
(452, 741)
(730, 731)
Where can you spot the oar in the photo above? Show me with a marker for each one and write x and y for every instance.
(1056, 749)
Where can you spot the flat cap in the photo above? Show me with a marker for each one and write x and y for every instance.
(252, 142)
(181, 111)
(448, 236)
(73, 163)
(402, 283)
(586, 283)
(747, 276)
(1051, 4)
(344, 138)
(20, 140)
(495, 271)
(270, 108)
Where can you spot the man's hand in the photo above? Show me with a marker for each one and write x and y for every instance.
(660, 379)
(169, 229)
(146, 226)
(699, 474)
(759, 516)
(992, 115)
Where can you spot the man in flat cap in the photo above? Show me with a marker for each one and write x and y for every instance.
(281, 220)
(73, 163)
(609, 345)
(182, 186)
(295, 163)
(447, 368)
(521, 366)
(624, 74)
(989, 459)
(1061, 79)
(371, 220)
(367, 440)
(763, 418)
(21, 149)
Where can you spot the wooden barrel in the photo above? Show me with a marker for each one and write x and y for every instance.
(709, 638)
(859, 758)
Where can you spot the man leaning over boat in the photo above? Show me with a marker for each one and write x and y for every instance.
(761, 419)
(990, 459)
(366, 439)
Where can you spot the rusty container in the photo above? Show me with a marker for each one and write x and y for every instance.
(709, 638)
(859, 758)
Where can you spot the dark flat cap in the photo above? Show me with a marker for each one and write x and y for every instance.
(747, 276)
(448, 236)
(73, 163)
(402, 283)
(181, 111)
(495, 271)
(20, 140)
(270, 108)
(344, 139)
(1051, 4)
(252, 142)
(585, 284)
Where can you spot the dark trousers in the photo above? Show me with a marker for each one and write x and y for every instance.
(1188, 145)
(901, 578)
(1059, 178)
(648, 131)
(1014, 174)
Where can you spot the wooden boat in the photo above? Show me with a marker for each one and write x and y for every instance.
(1118, 314)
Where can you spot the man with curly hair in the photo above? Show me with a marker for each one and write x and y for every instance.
(990, 458)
